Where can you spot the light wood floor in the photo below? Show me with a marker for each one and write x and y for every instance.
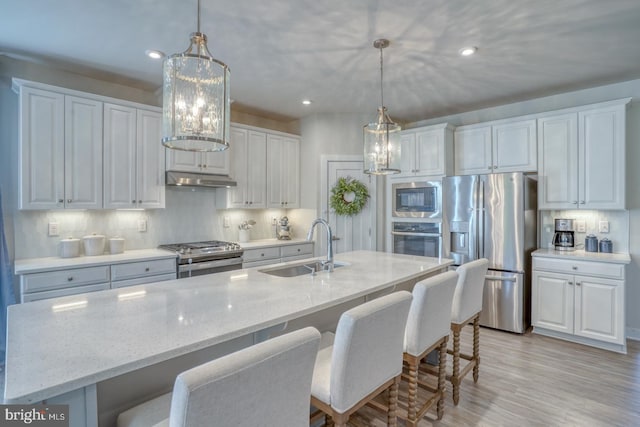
(531, 380)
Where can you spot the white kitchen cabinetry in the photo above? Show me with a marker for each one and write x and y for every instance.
(275, 254)
(60, 151)
(582, 158)
(496, 147)
(214, 162)
(72, 281)
(133, 158)
(580, 301)
(427, 151)
(140, 272)
(283, 174)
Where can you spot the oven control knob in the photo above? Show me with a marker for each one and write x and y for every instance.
(189, 250)
(181, 250)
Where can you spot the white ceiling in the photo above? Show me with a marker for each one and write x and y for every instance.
(280, 52)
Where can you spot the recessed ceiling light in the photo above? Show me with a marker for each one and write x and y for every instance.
(306, 102)
(154, 54)
(468, 51)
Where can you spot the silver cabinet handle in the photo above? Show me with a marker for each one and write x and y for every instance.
(146, 269)
(582, 202)
(578, 283)
(70, 278)
(68, 200)
(335, 238)
(133, 201)
(575, 202)
(574, 267)
(139, 201)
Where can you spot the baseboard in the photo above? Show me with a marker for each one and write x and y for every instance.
(633, 334)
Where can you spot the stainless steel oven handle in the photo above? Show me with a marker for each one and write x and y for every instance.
(210, 264)
(502, 278)
(402, 233)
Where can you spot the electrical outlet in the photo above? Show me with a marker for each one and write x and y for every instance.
(225, 222)
(581, 226)
(53, 229)
(274, 221)
(604, 227)
(142, 225)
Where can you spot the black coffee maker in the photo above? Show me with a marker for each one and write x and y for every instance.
(563, 238)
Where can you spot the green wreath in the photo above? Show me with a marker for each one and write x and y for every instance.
(356, 196)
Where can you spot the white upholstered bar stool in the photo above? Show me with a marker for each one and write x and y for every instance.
(266, 384)
(362, 359)
(427, 330)
(466, 308)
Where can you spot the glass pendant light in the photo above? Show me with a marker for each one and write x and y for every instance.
(382, 137)
(195, 99)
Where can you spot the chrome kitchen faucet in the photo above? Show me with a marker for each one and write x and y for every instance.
(328, 264)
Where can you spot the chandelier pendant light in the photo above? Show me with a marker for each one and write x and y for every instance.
(195, 105)
(382, 137)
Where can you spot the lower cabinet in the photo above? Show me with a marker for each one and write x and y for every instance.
(258, 257)
(580, 301)
(73, 281)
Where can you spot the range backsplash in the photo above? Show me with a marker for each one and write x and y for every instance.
(618, 227)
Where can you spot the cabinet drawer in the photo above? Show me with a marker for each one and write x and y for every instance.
(590, 268)
(260, 254)
(143, 280)
(295, 250)
(64, 278)
(37, 296)
(133, 270)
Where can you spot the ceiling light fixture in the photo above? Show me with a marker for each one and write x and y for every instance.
(306, 102)
(468, 51)
(154, 54)
(382, 138)
(195, 99)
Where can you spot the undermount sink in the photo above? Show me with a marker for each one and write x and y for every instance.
(299, 269)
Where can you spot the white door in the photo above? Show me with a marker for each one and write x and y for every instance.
(350, 233)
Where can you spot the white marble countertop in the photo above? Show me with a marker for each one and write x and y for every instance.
(581, 255)
(35, 265)
(62, 344)
(265, 243)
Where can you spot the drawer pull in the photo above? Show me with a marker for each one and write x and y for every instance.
(578, 283)
(571, 283)
(298, 249)
(69, 279)
(146, 269)
(574, 267)
(261, 254)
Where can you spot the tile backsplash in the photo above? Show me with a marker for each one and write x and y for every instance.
(189, 216)
(618, 227)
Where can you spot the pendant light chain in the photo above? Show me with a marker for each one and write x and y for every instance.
(381, 85)
(198, 23)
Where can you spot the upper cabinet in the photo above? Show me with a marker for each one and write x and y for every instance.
(215, 162)
(283, 175)
(90, 152)
(60, 151)
(504, 146)
(133, 158)
(427, 151)
(581, 156)
(265, 165)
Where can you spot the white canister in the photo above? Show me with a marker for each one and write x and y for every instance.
(244, 236)
(69, 247)
(116, 245)
(93, 244)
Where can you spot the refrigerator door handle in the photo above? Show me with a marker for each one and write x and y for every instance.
(481, 220)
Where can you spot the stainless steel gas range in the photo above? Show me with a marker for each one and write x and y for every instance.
(199, 258)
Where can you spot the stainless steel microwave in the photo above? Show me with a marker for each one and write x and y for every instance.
(419, 199)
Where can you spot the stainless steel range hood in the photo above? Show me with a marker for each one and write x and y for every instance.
(189, 179)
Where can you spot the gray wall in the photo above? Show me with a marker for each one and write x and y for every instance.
(572, 99)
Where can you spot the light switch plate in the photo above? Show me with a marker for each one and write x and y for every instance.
(604, 227)
(53, 229)
(142, 225)
(225, 222)
(581, 226)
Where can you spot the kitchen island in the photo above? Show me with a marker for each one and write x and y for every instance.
(72, 343)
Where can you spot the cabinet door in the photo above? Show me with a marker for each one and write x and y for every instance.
(407, 154)
(601, 158)
(430, 152)
(41, 149)
(216, 162)
(291, 179)
(599, 309)
(184, 161)
(237, 196)
(552, 301)
(83, 153)
(257, 169)
(514, 147)
(150, 160)
(472, 151)
(282, 172)
(119, 157)
(558, 162)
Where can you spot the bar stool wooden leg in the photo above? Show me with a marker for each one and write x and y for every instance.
(455, 377)
(328, 421)
(441, 377)
(392, 419)
(476, 348)
(412, 389)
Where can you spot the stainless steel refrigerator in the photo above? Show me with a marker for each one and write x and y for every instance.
(494, 216)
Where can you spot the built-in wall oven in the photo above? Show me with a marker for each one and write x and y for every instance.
(416, 199)
(417, 238)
